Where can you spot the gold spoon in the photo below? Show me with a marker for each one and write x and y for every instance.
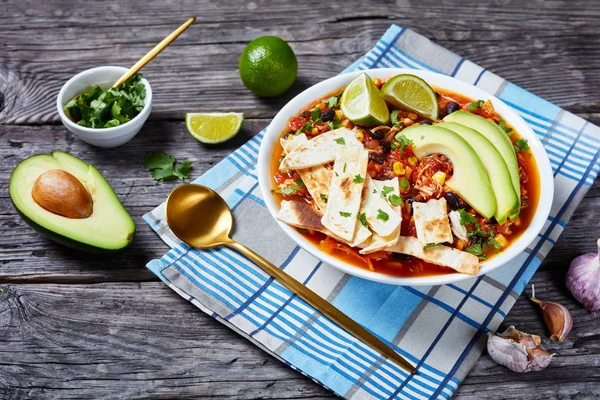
(200, 217)
(154, 52)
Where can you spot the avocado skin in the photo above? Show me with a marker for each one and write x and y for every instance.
(65, 241)
(61, 239)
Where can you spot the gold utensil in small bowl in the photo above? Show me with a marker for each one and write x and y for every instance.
(201, 218)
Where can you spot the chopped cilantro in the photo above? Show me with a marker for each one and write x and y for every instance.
(357, 178)
(374, 190)
(386, 190)
(323, 198)
(332, 101)
(336, 174)
(305, 127)
(430, 246)
(422, 137)
(521, 145)
(300, 183)
(404, 141)
(163, 167)
(344, 168)
(475, 249)
(345, 214)
(466, 218)
(395, 200)
(505, 128)
(404, 183)
(475, 105)
(315, 114)
(382, 215)
(336, 123)
(493, 244)
(340, 140)
(287, 191)
(394, 117)
(363, 219)
(302, 230)
(394, 145)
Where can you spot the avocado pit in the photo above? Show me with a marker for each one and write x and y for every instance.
(62, 193)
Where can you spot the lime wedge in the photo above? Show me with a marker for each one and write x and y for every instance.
(412, 93)
(213, 128)
(362, 104)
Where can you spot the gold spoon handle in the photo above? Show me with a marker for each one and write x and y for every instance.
(323, 306)
(154, 52)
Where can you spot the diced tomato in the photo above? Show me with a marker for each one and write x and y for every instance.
(296, 123)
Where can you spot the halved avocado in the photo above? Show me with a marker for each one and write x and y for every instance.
(108, 228)
(507, 200)
(469, 179)
(499, 139)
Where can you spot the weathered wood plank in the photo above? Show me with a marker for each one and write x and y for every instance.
(547, 47)
(142, 340)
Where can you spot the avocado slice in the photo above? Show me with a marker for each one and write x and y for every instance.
(469, 179)
(506, 199)
(108, 229)
(499, 139)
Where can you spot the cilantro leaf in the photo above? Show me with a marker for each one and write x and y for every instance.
(340, 140)
(493, 244)
(382, 215)
(521, 145)
(386, 190)
(323, 198)
(305, 127)
(404, 141)
(300, 183)
(335, 124)
(466, 218)
(332, 101)
(404, 183)
(363, 219)
(395, 200)
(430, 246)
(344, 170)
(475, 249)
(345, 214)
(162, 167)
(315, 114)
(502, 124)
(475, 105)
(394, 145)
(357, 178)
(394, 117)
(287, 191)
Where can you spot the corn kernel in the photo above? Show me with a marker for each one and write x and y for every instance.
(440, 177)
(412, 160)
(399, 168)
(314, 131)
(501, 240)
(377, 81)
(460, 245)
(372, 173)
(407, 122)
(339, 114)
(360, 135)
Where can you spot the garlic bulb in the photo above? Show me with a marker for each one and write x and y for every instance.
(583, 280)
(518, 351)
(556, 316)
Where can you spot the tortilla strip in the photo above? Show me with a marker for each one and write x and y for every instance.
(316, 179)
(345, 193)
(378, 242)
(373, 205)
(318, 151)
(293, 142)
(361, 235)
(460, 261)
(302, 215)
(431, 221)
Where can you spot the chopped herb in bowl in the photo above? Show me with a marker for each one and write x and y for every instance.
(99, 108)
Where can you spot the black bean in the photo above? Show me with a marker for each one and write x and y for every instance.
(399, 256)
(377, 158)
(328, 115)
(386, 146)
(450, 108)
(378, 134)
(426, 122)
(305, 114)
(409, 200)
(452, 200)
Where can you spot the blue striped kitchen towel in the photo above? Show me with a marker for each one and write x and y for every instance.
(441, 329)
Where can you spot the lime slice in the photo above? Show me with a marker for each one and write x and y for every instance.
(213, 128)
(362, 104)
(412, 93)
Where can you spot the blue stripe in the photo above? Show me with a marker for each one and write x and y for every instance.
(479, 77)
(512, 284)
(257, 199)
(402, 30)
(244, 196)
(413, 59)
(462, 60)
(570, 148)
(242, 169)
(476, 298)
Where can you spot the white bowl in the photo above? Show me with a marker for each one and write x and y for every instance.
(279, 124)
(104, 77)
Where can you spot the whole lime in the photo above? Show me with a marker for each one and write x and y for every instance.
(268, 66)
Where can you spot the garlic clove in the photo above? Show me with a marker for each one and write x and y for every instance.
(557, 317)
(507, 349)
(583, 280)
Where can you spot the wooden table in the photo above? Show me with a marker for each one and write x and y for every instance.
(74, 325)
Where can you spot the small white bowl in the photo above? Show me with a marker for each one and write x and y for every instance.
(104, 77)
(279, 124)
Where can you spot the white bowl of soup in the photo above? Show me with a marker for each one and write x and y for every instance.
(438, 186)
